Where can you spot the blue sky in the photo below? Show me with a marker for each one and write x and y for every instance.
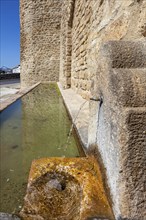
(9, 33)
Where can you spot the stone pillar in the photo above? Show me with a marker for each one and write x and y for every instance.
(66, 43)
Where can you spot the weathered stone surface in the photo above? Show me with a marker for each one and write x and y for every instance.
(78, 109)
(40, 41)
(121, 124)
(67, 189)
(94, 23)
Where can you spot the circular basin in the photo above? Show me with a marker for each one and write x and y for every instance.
(54, 195)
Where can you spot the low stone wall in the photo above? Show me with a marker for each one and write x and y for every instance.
(10, 76)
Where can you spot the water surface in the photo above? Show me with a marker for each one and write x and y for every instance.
(35, 126)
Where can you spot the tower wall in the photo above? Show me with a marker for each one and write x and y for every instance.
(40, 40)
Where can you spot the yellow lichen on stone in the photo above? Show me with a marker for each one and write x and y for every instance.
(82, 185)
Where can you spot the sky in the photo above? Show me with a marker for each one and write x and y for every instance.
(9, 33)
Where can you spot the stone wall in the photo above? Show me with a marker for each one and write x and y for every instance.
(103, 44)
(81, 77)
(114, 20)
(119, 91)
(40, 40)
(120, 121)
(96, 22)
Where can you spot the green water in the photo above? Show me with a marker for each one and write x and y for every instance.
(35, 126)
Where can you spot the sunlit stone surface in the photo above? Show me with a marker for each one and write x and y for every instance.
(67, 189)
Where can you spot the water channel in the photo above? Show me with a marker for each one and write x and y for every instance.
(35, 126)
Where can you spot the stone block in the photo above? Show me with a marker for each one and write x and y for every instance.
(121, 138)
(70, 196)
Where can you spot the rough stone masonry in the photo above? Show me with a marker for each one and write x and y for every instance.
(98, 49)
(40, 40)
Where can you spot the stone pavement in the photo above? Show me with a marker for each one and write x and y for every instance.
(8, 88)
(78, 109)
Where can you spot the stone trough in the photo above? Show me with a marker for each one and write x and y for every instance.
(65, 189)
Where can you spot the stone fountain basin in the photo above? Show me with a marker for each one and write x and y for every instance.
(65, 189)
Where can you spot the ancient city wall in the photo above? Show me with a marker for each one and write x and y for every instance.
(40, 40)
